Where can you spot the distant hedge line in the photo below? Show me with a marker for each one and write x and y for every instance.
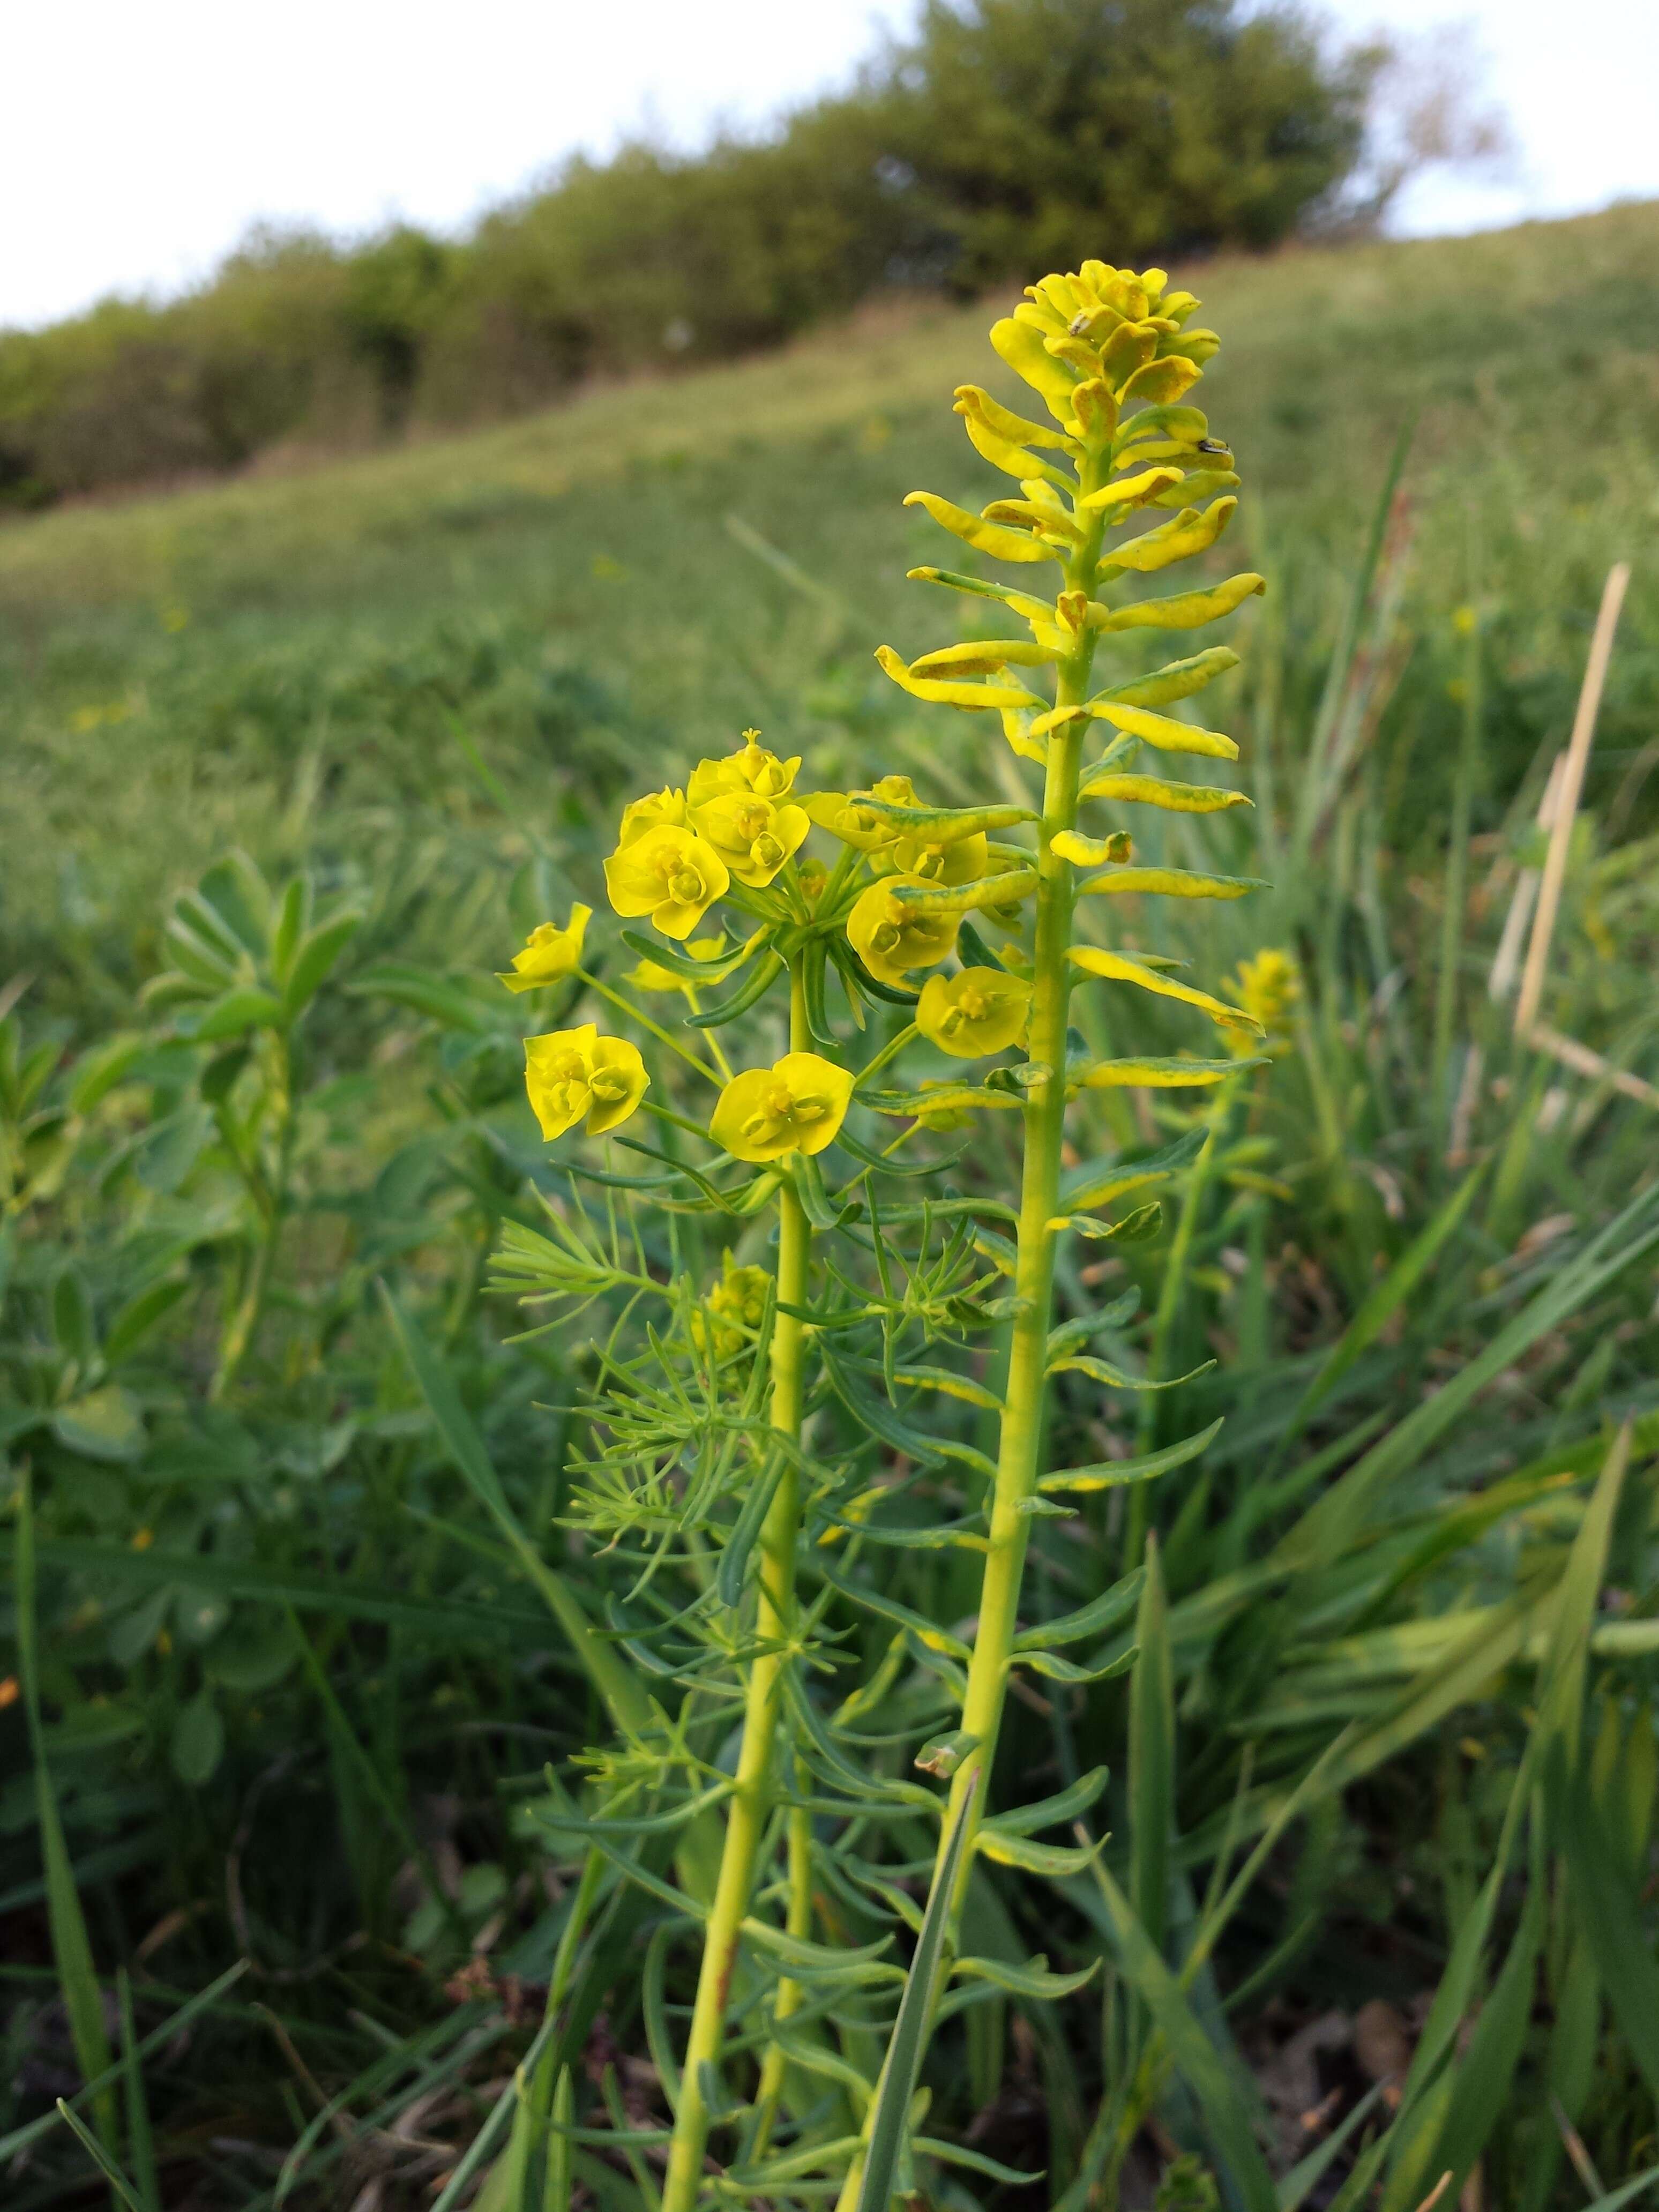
(1007, 136)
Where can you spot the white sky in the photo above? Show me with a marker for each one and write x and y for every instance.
(141, 142)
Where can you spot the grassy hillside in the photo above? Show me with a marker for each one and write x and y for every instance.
(186, 671)
(298, 1703)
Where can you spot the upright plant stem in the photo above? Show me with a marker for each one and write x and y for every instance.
(1021, 1435)
(750, 1803)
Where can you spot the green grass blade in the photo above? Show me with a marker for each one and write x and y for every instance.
(77, 1977)
(101, 2158)
(1294, 2186)
(1475, 2097)
(1616, 2199)
(891, 2115)
(1561, 1687)
(1326, 1530)
(1611, 1921)
(1454, 897)
(438, 1618)
(557, 2181)
(1151, 1757)
(21, 2138)
(1383, 1303)
(1219, 2099)
(629, 1707)
(141, 2142)
(346, 1736)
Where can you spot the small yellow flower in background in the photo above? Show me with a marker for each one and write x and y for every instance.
(738, 1304)
(980, 1011)
(551, 953)
(570, 1073)
(753, 836)
(1270, 991)
(751, 769)
(657, 810)
(649, 976)
(796, 1106)
(671, 874)
(891, 938)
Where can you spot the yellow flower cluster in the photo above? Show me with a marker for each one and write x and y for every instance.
(739, 822)
(797, 1105)
(576, 1072)
(678, 851)
(976, 1013)
(735, 1308)
(551, 953)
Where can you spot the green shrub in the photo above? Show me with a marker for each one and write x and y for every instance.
(1175, 125)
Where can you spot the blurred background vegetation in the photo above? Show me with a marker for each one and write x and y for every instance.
(1173, 126)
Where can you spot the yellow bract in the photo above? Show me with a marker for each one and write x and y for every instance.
(751, 769)
(671, 874)
(737, 1305)
(754, 837)
(842, 814)
(551, 953)
(980, 1011)
(931, 859)
(648, 975)
(796, 1106)
(891, 938)
(571, 1072)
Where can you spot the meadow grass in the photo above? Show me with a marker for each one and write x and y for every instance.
(290, 1679)
(181, 672)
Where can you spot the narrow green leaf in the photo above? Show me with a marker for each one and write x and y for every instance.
(1220, 2101)
(629, 1705)
(1151, 1756)
(100, 2157)
(1383, 1303)
(1108, 1474)
(77, 1977)
(890, 2116)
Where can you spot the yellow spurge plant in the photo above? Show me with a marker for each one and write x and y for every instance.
(1112, 356)
(747, 1462)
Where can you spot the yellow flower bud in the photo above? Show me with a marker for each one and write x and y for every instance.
(670, 873)
(1269, 990)
(980, 1011)
(891, 938)
(752, 835)
(796, 1106)
(738, 1305)
(570, 1073)
(657, 810)
(551, 953)
(751, 769)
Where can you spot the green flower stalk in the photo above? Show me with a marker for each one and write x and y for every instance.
(1112, 355)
